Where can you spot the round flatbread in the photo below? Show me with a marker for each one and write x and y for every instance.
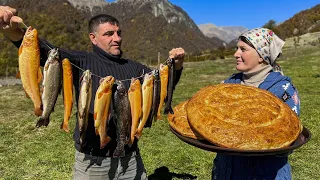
(242, 117)
(179, 122)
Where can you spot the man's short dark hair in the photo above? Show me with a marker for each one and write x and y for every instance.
(101, 19)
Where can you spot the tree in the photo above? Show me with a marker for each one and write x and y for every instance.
(271, 24)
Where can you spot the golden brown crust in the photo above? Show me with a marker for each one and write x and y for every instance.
(242, 117)
(179, 122)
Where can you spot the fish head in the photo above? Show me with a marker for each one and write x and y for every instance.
(108, 81)
(148, 80)
(53, 55)
(86, 76)
(30, 37)
(121, 89)
(135, 84)
(164, 69)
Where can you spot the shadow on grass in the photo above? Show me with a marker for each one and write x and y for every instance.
(163, 173)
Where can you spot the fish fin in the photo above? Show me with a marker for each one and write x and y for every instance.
(20, 49)
(42, 122)
(168, 109)
(38, 111)
(39, 75)
(65, 127)
(18, 76)
(118, 152)
(104, 142)
(27, 95)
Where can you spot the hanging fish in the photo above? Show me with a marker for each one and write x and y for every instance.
(135, 99)
(164, 73)
(147, 93)
(122, 114)
(51, 86)
(155, 98)
(29, 68)
(84, 104)
(67, 93)
(101, 109)
(170, 88)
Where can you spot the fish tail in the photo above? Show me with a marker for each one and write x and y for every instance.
(119, 152)
(104, 142)
(65, 127)
(168, 109)
(38, 111)
(42, 122)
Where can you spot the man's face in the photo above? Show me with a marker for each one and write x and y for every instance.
(108, 38)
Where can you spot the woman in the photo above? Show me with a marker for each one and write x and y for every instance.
(256, 54)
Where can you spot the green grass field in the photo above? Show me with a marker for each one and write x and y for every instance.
(48, 153)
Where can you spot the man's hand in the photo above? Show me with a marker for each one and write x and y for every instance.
(8, 18)
(178, 55)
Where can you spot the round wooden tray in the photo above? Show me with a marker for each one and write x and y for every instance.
(303, 138)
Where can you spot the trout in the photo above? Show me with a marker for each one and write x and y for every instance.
(147, 93)
(170, 88)
(155, 98)
(67, 93)
(164, 73)
(122, 114)
(51, 86)
(101, 109)
(84, 104)
(135, 99)
(29, 68)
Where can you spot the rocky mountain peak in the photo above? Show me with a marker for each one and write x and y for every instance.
(225, 33)
(88, 4)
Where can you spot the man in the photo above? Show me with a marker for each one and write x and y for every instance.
(105, 35)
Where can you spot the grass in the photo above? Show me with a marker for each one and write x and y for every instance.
(48, 153)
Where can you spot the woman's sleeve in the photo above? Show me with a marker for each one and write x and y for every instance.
(287, 92)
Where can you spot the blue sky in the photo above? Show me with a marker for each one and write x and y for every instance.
(247, 13)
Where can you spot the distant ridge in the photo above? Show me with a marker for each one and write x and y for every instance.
(225, 33)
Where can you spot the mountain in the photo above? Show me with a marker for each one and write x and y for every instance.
(152, 26)
(301, 23)
(225, 33)
(88, 5)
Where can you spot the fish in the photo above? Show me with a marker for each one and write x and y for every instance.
(122, 116)
(164, 73)
(29, 68)
(84, 104)
(147, 93)
(135, 99)
(67, 93)
(51, 86)
(155, 98)
(170, 87)
(101, 109)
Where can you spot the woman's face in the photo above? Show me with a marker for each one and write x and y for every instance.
(248, 59)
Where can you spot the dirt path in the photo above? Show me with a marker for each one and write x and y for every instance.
(9, 81)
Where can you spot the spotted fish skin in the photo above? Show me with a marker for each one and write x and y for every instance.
(122, 113)
(51, 86)
(84, 104)
(170, 88)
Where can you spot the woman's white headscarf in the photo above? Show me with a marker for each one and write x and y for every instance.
(267, 44)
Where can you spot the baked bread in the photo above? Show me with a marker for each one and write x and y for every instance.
(179, 122)
(242, 117)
